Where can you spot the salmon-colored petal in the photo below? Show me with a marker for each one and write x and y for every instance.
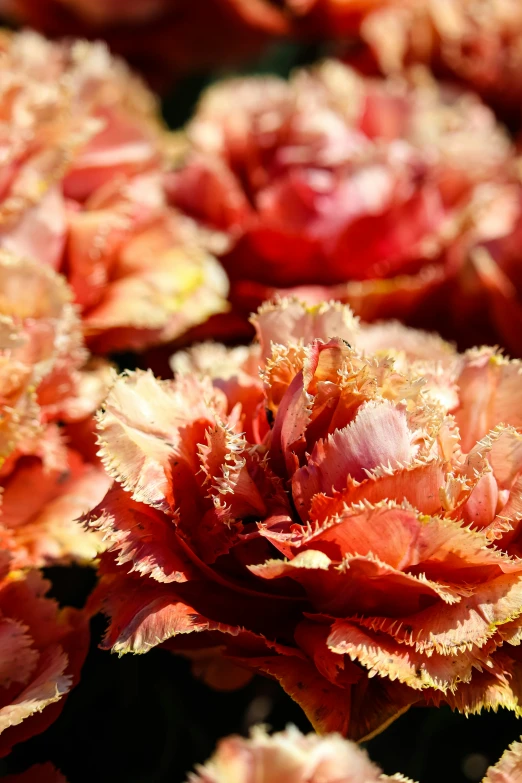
(378, 437)
(290, 320)
(19, 658)
(140, 431)
(384, 657)
(489, 690)
(225, 465)
(50, 684)
(183, 289)
(148, 617)
(419, 485)
(488, 386)
(434, 546)
(40, 509)
(357, 584)
(452, 629)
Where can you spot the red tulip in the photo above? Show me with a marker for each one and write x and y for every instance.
(398, 197)
(349, 527)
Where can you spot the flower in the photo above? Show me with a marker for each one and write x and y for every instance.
(43, 650)
(82, 192)
(509, 768)
(297, 758)
(479, 44)
(161, 38)
(380, 193)
(49, 474)
(289, 756)
(352, 530)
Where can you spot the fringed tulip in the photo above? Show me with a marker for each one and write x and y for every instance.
(399, 197)
(49, 474)
(348, 525)
(289, 757)
(81, 191)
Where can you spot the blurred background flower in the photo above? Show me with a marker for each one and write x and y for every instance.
(400, 197)
(82, 193)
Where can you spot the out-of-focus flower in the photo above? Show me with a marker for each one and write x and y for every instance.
(384, 191)
(81, 191)
(479, 43)
(161, 38)
(43, 649)
(49, 474)
(349, 526)
(291, 757)
(40, 773)
(509, 768)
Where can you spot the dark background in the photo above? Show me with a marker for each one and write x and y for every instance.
(145, 719)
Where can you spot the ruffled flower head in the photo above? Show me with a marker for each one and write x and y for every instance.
(48, 392)
(352, 530)
(291, 757)
(390, 195)
(81, 191)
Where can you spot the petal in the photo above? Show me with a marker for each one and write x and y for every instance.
(452, 629)
(180, 289)
(147, 617)
(290, 320)
(384, 657)
(489, 386)
(403, 538)
(357, 585)
(419, 485)
(141, 430)
(48, 686)
(225, 460)
(19, 658)
(379, 436)
(326, 706)
(141, 536)
(40, 508)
